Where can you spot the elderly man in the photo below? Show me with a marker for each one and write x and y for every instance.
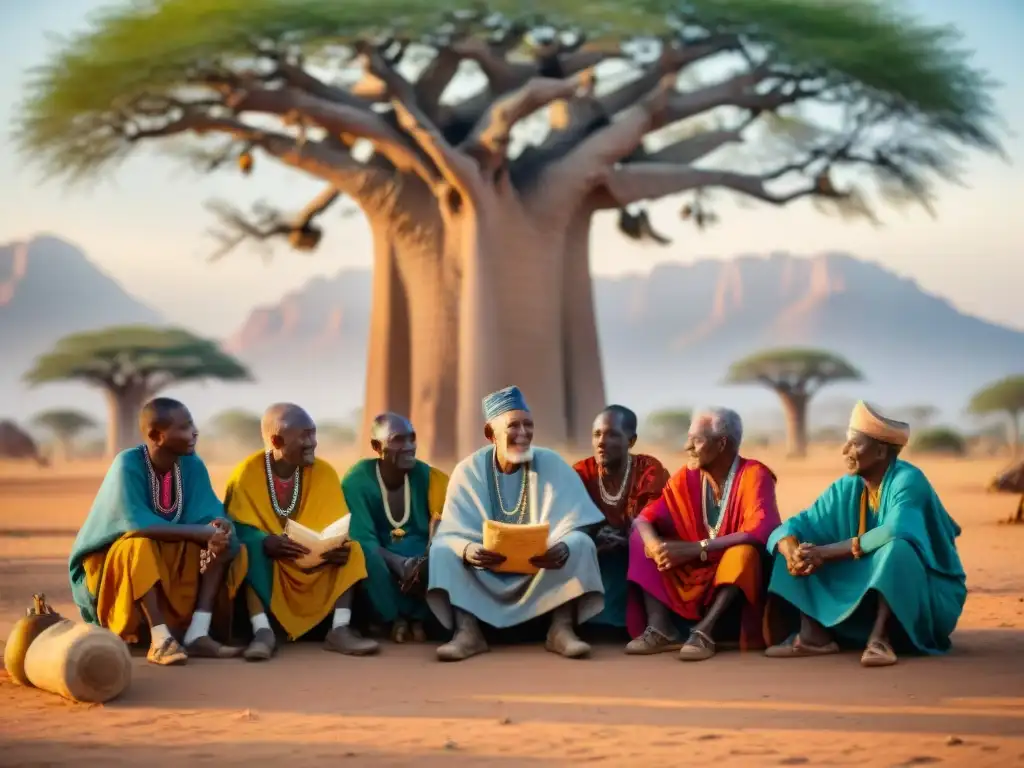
(287, 482)
(513, 482)
(621, 484)
(874, 560)
(696, 552)
(396, 504)
(156, 539)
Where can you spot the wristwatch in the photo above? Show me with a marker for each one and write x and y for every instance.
(704, 551)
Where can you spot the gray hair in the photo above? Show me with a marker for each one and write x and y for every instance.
(723, 422)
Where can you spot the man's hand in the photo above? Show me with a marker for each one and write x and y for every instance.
(553, 559)
(280, 547)
(800, 561)
(219, 537)
(339, 555)
(809, 558)
(669, 555)
(478, 557)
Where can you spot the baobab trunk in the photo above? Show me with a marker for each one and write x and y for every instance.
(431, 275)
(795, 408)
(123, 405)
(584, 377)
(388, 354)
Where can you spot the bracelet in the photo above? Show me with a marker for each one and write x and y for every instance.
(465, 549)
(855, 547)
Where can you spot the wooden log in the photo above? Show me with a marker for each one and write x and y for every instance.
(81, 662)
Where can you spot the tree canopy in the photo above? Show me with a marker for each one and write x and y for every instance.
(64, 423)
(667, 426)
(122, 357)
(157, 68)
(239, 425)
(940, 440)
(793, 369)
(1003, 396)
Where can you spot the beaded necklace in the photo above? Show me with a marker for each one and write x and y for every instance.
(519, 510)
(397, 526)
(612, 500)
(170, 513)
(296, 490)
(723, 504)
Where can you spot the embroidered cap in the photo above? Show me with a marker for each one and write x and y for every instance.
(503, 401)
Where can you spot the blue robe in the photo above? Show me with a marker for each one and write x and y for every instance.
(557, 497)
(123, 505)
(909, 557)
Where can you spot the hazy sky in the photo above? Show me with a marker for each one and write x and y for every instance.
(147, 225)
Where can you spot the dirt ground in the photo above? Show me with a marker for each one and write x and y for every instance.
(520, 705)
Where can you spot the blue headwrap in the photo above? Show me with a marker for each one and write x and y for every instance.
(503, 401)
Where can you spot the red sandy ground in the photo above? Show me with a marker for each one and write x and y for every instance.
(520, 705)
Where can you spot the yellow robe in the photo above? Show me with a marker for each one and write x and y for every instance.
(121, 575)
(298, 600)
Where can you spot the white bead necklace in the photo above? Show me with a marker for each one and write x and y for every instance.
(519, 510)
(613, 499)
(397, 525)
(172, 513)
(296, 481)
(723, 505)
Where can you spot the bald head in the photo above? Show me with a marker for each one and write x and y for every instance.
(393, 439)
(289, 432)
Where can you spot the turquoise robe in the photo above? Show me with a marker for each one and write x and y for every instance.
(909, 557)
(370, 527)
(123, 505)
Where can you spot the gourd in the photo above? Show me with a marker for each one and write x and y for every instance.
(37, 619)
(81, 662)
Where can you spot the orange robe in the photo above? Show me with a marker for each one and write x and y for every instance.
(688, 591)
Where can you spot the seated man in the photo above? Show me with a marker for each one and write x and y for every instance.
(697, 550)
(513, 482)
(156, 539)
(396, 504)
(874, 557)
(621, 484)
(288, 482)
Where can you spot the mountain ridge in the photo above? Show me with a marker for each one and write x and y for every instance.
(667, 336)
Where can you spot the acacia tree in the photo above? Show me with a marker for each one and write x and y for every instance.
(795, 375)
(132, 364)
(240, 426)
(481, 273)
(668, 426)
(65, 425)
(1004, 396)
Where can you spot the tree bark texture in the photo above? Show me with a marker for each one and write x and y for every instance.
(794, 406)
(124, 404)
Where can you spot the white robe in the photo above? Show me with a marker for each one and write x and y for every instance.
(557, 497)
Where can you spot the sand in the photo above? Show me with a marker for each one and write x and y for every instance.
(522, 706)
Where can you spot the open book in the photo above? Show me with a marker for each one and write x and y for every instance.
(331, 537)
(518, 543)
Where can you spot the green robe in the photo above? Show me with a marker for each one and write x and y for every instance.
(372, 529)
(909, 557)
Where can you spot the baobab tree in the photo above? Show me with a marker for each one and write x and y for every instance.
(65, 425)
(132, 364)
(481, 273)
(795, 375)
(1005, 396)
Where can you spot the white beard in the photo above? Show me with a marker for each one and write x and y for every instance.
(519, 455)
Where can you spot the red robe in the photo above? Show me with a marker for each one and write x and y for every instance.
(647, 479)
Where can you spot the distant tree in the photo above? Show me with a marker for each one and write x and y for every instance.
(919, 415)
(336, 433)
(65, 426)
(1003, 396)
(939, 440)
(668, 426)
(239, 426)
(795, 375)
(132, 364)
